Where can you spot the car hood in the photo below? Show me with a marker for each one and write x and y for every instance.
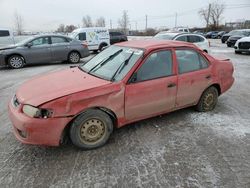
(45, 88)
(8, 47)
(244, 39)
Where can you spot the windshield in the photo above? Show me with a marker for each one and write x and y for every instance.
(24, 41)
(235, 32)
(106, 63)
(164, 36)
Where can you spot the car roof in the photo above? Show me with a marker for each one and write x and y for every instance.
(152, 44)
(175, 34)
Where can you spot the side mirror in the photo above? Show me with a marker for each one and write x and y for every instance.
(133, 78)
(29, 44)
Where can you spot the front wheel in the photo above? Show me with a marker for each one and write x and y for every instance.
(16, 61)
(208, 100)
(91, 129)
(74, 57)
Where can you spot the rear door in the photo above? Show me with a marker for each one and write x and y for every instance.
(194, 76)
(154, 89)
(60, 48)
(39, 52)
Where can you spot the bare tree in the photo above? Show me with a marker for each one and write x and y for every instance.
(100, 22)
(18, 21)
(61, 28)
(205, 14)
(124, 22)
(213, 14)
(217, 10)
(87, 21)
(69, 28)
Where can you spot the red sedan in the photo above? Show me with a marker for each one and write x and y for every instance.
(127, 82)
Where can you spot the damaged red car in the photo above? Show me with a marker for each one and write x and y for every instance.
(126, 82)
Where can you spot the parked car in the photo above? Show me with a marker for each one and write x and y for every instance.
(96, 37)
(43, 49)
(196, 39)
(116, 37)
(180, 29)
(233, 32)
(220, 34)
(212, 34)
(232, 39)
(126, 82)
(242, 45)
(199, 32)
(6, 37)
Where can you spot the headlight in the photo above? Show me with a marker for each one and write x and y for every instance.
(34, 112)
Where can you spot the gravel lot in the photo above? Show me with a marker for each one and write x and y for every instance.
(181, 149)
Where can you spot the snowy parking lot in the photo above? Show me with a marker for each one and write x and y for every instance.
(180, 149)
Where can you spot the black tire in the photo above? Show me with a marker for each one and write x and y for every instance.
(228, 45)
(102, 46)
(74, 57)
(95, 51)
(237, 52)
(91, 129)
(208, 100)
(16, 61)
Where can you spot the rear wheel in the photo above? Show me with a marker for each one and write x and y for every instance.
(74, 57)
(101, 47)
(16, 61)
(237, 52)
(208, 100)
(91, 129)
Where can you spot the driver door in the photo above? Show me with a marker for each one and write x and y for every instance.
(39, 51)
(155, 88)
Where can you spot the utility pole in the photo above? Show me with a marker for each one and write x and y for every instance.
(208, 15)
(175, 25)
(136, 26)
(146, 23)
(110, 24)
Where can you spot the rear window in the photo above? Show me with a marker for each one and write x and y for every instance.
(193, 39)
(4, 33)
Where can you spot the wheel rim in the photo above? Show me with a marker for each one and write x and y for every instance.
(209, 101)
(92, 131)
(74, 57)
(16, 62)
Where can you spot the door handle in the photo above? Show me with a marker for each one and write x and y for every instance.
(208, 77)
(171, 85)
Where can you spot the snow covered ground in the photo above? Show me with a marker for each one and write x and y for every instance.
(180, 149)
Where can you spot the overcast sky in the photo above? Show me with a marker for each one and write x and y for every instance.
(46, 15)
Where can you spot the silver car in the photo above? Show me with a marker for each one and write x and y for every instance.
(43, 49)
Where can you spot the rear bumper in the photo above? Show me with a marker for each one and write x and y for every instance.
(36, 131)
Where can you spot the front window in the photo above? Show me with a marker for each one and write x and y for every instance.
(113, 63)
(157, 65)
(40, 41)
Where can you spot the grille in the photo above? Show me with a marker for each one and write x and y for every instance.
(15, 101)
(244, 45)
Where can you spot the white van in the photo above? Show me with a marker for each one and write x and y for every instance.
(6, 37)
(96, 37)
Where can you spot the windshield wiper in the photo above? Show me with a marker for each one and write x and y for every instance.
(121, 67)
(103, 62)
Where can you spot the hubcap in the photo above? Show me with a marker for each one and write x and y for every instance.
(92, 131)
(74, 57)
(209, 100)
(16, 62)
